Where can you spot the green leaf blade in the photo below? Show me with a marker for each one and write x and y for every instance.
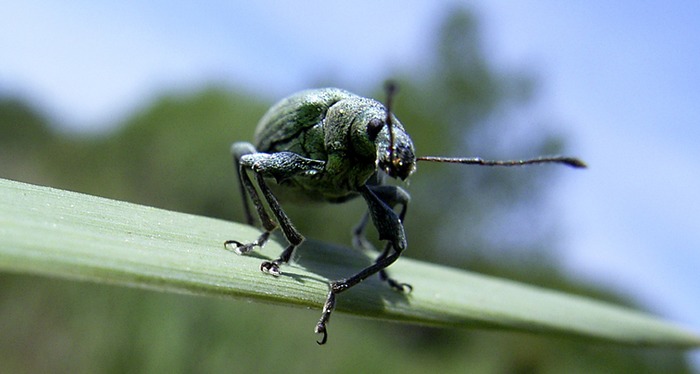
(51, 232)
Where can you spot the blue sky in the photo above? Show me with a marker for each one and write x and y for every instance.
(622, 75)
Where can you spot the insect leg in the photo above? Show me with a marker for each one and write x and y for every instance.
(390, 228)
(392, 196)
(292, 235)
(248, 190)
(280, 166)
(239, 149)
(359, 240)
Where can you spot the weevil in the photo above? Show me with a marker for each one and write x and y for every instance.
(332, 145)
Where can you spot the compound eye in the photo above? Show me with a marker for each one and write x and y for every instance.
(373, 128)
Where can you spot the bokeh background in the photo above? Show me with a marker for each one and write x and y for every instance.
(140, 101)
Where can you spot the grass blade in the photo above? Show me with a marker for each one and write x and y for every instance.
(52, 232)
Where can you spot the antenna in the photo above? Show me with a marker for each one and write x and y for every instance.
(391, 87)
(569, 161)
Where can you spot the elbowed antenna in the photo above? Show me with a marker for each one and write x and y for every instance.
(391, 88)
(569, 161)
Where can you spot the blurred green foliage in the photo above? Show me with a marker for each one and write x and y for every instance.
(174, 154)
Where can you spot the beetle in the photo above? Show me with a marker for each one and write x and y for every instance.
(331, 145)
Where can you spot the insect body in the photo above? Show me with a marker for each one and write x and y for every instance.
(331, 145)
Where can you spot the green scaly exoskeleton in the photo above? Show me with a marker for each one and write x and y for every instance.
(331, 145)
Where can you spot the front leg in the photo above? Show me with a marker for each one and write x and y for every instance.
(392, 196)
(390, 228)
(238, 151)
(281, 166)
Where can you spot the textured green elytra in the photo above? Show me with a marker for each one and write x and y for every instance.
(332, 145)
(330, 125)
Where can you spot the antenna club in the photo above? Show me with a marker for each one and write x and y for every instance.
(576, 163)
